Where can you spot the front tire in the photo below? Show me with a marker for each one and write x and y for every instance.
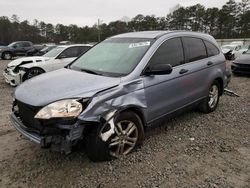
(129, 134)
(210, 103)
(32, 73)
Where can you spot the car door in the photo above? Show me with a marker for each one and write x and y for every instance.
(164, 93)
(198, 66)
(18, 48)
(66, 57)
(26, 47)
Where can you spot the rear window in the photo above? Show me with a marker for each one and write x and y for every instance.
(194, 48)
(212, 50)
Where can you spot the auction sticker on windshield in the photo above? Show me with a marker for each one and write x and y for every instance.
(139, 44)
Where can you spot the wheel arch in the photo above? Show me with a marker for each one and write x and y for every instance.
(25, 75)
(7, 51)
(37, 68)
(220, 80)
(137, 110)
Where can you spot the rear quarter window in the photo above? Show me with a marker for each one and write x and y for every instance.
(212, 50)
(194, 49)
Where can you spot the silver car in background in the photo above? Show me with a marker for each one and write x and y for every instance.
(109, 95)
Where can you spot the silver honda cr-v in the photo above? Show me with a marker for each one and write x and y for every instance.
(109, 95)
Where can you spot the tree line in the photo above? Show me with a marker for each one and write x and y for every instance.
(231, 21)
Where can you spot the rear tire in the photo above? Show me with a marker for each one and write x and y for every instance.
(6, 56)
(210, 103)
(129, 134)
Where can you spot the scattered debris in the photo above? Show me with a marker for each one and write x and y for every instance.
(230, 93)
(192, 139)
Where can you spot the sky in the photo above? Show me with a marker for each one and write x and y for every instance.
(82, 12)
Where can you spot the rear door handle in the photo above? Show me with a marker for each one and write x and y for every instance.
(210, 63)
(183, 71)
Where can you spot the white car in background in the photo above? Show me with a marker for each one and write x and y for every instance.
(25, 68)
(243, 49)
(237, 43)
(231, 51)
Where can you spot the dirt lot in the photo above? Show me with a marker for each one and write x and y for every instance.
(193, 150)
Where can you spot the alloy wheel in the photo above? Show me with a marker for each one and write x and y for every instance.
(7, 56)
(124, 139)
(213, 96)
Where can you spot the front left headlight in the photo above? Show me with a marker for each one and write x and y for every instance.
(69, 108)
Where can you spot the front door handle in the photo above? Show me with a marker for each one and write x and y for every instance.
(183, 71)
(210, 63)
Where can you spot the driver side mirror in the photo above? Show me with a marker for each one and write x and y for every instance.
(15, 46)
(159, 69)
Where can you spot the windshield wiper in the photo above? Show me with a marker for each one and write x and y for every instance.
(90, 71)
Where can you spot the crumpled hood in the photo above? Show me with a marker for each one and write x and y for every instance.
(243, 59)
(62, 84)
(26, 60)
(224, 50)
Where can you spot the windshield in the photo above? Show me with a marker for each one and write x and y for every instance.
(48, 48)
(12, 44)
(54, 52)
(245, 47)
(113, 57)
(247, 52)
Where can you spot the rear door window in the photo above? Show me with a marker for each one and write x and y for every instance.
(194, 49)
(212, 50)
(26, 44)
(71, 52)
(83, 49)
(170, 52)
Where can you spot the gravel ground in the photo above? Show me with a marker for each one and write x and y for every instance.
(193, 150)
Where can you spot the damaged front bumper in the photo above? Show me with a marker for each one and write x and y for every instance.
(23, 130)
(57, 142)
(14, 79)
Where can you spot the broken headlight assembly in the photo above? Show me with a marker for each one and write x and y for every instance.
(69, 108)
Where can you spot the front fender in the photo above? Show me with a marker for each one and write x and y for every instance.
(130, 94)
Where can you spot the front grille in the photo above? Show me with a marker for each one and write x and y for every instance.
(26, 114)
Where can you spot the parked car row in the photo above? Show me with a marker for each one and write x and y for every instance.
(19, 48)
(111, 93)
(25, 68)
(24, 48)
